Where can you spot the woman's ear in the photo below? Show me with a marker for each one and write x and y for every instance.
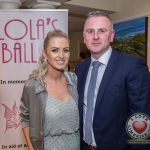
(43, 53)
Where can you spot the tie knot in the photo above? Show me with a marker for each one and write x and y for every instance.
(96, 64)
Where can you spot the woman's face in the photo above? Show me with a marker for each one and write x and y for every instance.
(57, 53)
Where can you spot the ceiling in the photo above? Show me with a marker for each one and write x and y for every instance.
(77, 14)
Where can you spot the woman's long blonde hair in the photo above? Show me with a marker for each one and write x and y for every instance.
(40, 72)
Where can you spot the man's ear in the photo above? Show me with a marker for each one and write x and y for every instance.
(83, 37)
(112, 36)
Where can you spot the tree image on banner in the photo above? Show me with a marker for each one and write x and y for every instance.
(12, 116)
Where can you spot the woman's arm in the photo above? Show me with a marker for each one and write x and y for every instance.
(24, 114)
(26, 134)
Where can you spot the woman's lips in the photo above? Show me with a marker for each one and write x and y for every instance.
(60, 62)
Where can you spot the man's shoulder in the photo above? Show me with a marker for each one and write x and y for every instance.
(126, 57)
(80, 66)
(85, 62)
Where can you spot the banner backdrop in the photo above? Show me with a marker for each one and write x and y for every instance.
(21, 41)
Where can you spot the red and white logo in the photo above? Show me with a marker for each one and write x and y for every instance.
(138, 126)
(12, 116)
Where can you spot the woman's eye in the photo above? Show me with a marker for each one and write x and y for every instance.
(55, 50)
(66, 50)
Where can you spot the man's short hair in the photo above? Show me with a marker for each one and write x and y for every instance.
(97, 14)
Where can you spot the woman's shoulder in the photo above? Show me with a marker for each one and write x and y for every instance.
(30, 82)
(71, 77)
(71, 74)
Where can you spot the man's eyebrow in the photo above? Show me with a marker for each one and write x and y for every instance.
(97, 29)
(102, 29)
(89, 29)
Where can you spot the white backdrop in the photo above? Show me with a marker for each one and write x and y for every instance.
(21, 41)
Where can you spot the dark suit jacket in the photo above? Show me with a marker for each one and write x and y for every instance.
(124, 90)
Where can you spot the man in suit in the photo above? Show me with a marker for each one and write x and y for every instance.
(121, 84)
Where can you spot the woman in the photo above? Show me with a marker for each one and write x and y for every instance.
(49, 112)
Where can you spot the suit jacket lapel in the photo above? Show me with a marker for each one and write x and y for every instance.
(106, 77)
(82, 85)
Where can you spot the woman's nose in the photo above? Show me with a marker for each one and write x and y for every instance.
(61, 54)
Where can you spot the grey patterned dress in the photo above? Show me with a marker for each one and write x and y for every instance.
(61, 125)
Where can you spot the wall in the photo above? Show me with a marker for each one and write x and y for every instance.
(127, 10)
(74, 48)
(131, 9)
(74, 40)
(110, 5)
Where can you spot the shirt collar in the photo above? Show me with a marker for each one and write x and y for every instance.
(104, 58)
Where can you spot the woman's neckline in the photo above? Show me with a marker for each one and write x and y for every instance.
(59, 99)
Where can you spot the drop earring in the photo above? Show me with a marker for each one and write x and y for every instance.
(45, 62)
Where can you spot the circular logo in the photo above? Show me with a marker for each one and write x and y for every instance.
(138, 126)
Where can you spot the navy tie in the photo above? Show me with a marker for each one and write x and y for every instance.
(90, 99)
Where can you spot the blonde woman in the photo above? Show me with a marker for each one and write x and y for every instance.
(49, 111)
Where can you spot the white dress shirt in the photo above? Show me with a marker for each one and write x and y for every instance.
(104, 61)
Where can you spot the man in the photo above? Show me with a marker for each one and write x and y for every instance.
(81, 57)
(115, 84)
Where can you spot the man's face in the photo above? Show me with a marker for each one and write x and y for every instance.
(98, 34)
